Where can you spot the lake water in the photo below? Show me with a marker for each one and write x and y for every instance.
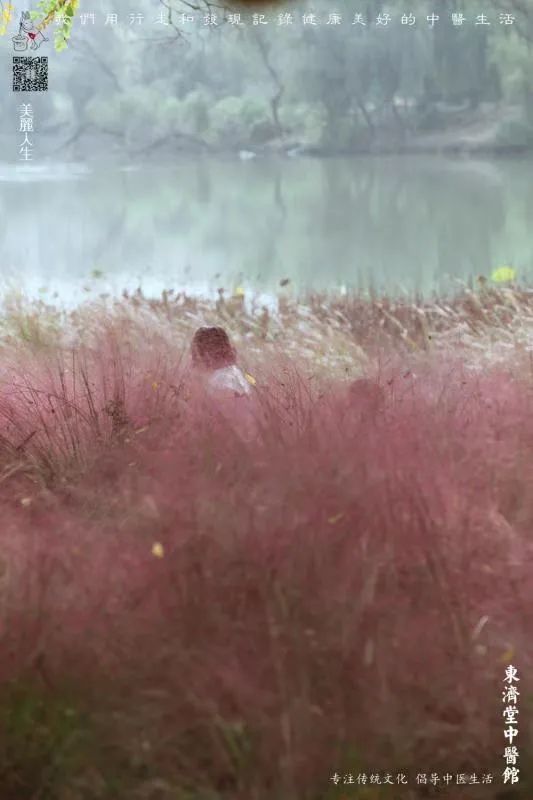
(398, 223)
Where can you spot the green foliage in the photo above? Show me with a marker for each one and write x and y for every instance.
(131, 112)
(304, 119)
(102, 112)
(47, 11)
(63, 108)
(226, 121)
(44, 741)
(238, 120)
(516, 133)
(196, 111)
(137, 110)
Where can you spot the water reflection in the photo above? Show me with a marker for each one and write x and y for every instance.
(412, 224)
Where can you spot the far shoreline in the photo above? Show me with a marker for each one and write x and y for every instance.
(490, 131)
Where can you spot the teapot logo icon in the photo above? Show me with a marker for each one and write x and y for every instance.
(28, 34)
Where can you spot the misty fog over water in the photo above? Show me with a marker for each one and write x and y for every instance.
(394, 156)
(394, 223)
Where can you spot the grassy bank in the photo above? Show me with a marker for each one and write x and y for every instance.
(188, 615)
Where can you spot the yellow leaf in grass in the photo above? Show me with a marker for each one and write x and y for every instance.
(158, 550)
(507, 657)
(503, 274)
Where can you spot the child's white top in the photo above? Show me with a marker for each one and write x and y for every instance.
(229, 379)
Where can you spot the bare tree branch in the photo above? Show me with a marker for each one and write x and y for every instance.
(276, 99)
(106, 69)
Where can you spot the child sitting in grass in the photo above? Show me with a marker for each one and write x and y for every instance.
(215, 358)
(214, 361)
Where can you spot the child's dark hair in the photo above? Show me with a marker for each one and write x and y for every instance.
(212, 349)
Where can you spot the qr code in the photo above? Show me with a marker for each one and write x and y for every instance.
(30, 74)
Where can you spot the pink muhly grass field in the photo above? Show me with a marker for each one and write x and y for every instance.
(241, 616)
